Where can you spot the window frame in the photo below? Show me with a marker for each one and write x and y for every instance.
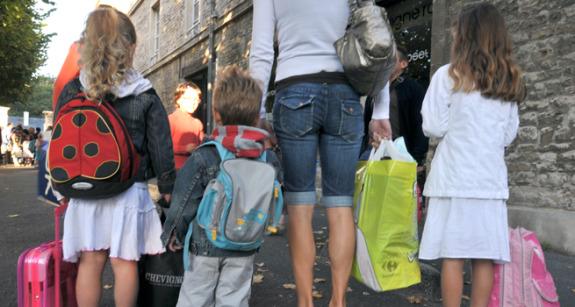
(192, 22)
(157, 29)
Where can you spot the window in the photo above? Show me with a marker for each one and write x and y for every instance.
(156, 29)
(192, 11)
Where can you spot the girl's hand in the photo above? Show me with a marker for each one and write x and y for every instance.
(173, 245)
(63, 201)
(167, 197)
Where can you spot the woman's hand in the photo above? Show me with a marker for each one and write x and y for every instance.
(379, 129)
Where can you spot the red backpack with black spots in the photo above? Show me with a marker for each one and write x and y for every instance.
(91, 154)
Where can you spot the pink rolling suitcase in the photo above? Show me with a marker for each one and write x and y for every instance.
(44, 280)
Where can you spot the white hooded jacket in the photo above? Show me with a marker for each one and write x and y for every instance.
(470, 159)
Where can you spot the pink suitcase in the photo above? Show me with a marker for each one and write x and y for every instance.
(43, 279)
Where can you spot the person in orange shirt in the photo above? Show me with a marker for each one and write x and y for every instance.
(187, 131)
(70, 70)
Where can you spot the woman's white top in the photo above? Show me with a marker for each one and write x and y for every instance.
(306, 31)
(470, 159)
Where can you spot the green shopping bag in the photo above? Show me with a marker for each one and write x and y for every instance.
(385, 209)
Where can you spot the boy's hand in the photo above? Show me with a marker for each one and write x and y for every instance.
(173, 245)
(272, 141)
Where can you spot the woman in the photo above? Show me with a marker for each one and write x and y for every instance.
(315, 110)
(124, 226)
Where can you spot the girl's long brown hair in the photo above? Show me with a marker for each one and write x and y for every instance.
(481, 55)
(106, 50)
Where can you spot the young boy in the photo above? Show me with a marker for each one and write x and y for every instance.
(217, 277)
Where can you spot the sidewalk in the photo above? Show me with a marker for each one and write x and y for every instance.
(273, 263)
(27, 222)
(274, 284)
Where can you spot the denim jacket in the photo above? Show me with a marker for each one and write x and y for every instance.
(147, 123)
(202, 166)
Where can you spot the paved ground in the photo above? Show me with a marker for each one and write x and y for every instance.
(27, 222)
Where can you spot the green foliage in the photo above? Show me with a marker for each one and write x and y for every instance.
(40, 98)
(22, 48)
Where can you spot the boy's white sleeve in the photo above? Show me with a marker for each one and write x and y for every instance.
(381, 104)
(262, 50)
(512, 124)
(435, 108)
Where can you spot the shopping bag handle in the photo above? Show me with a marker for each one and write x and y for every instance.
(387, 148)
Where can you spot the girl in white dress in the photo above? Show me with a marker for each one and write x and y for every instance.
(471, 106)
(125, 226)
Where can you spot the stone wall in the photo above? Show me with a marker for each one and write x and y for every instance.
(165, 81)
(183, 53)
(234, 40)
(142, 21)
(542, 159)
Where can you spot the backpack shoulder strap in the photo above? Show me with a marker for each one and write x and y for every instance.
(71, 90)
(77, 84)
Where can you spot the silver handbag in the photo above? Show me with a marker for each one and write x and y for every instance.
(367, 49)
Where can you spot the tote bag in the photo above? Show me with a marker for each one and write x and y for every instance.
(385, 210)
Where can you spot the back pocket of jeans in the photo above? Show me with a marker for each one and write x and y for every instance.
(351, 125)
(296, 114)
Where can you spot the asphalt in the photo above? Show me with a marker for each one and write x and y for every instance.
(27, 222)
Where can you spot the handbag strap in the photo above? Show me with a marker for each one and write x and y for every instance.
(354, 4)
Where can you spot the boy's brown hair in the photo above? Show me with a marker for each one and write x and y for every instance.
(237, 97)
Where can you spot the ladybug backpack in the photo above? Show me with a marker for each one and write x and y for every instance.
(91, 154)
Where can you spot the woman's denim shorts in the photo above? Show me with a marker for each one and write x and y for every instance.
(317, 116)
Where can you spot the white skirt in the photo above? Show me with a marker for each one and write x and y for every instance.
(465, 228)
(127, 225)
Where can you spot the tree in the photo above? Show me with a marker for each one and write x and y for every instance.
(40, 98)
(22, 48)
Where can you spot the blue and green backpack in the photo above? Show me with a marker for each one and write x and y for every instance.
(240, 204)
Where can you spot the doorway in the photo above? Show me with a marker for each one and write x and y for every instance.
(411, 24)
(200, 78)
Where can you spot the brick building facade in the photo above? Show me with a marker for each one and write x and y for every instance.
(174, 46)
(174, 41)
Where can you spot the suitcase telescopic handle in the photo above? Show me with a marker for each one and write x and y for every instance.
(58, 212)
